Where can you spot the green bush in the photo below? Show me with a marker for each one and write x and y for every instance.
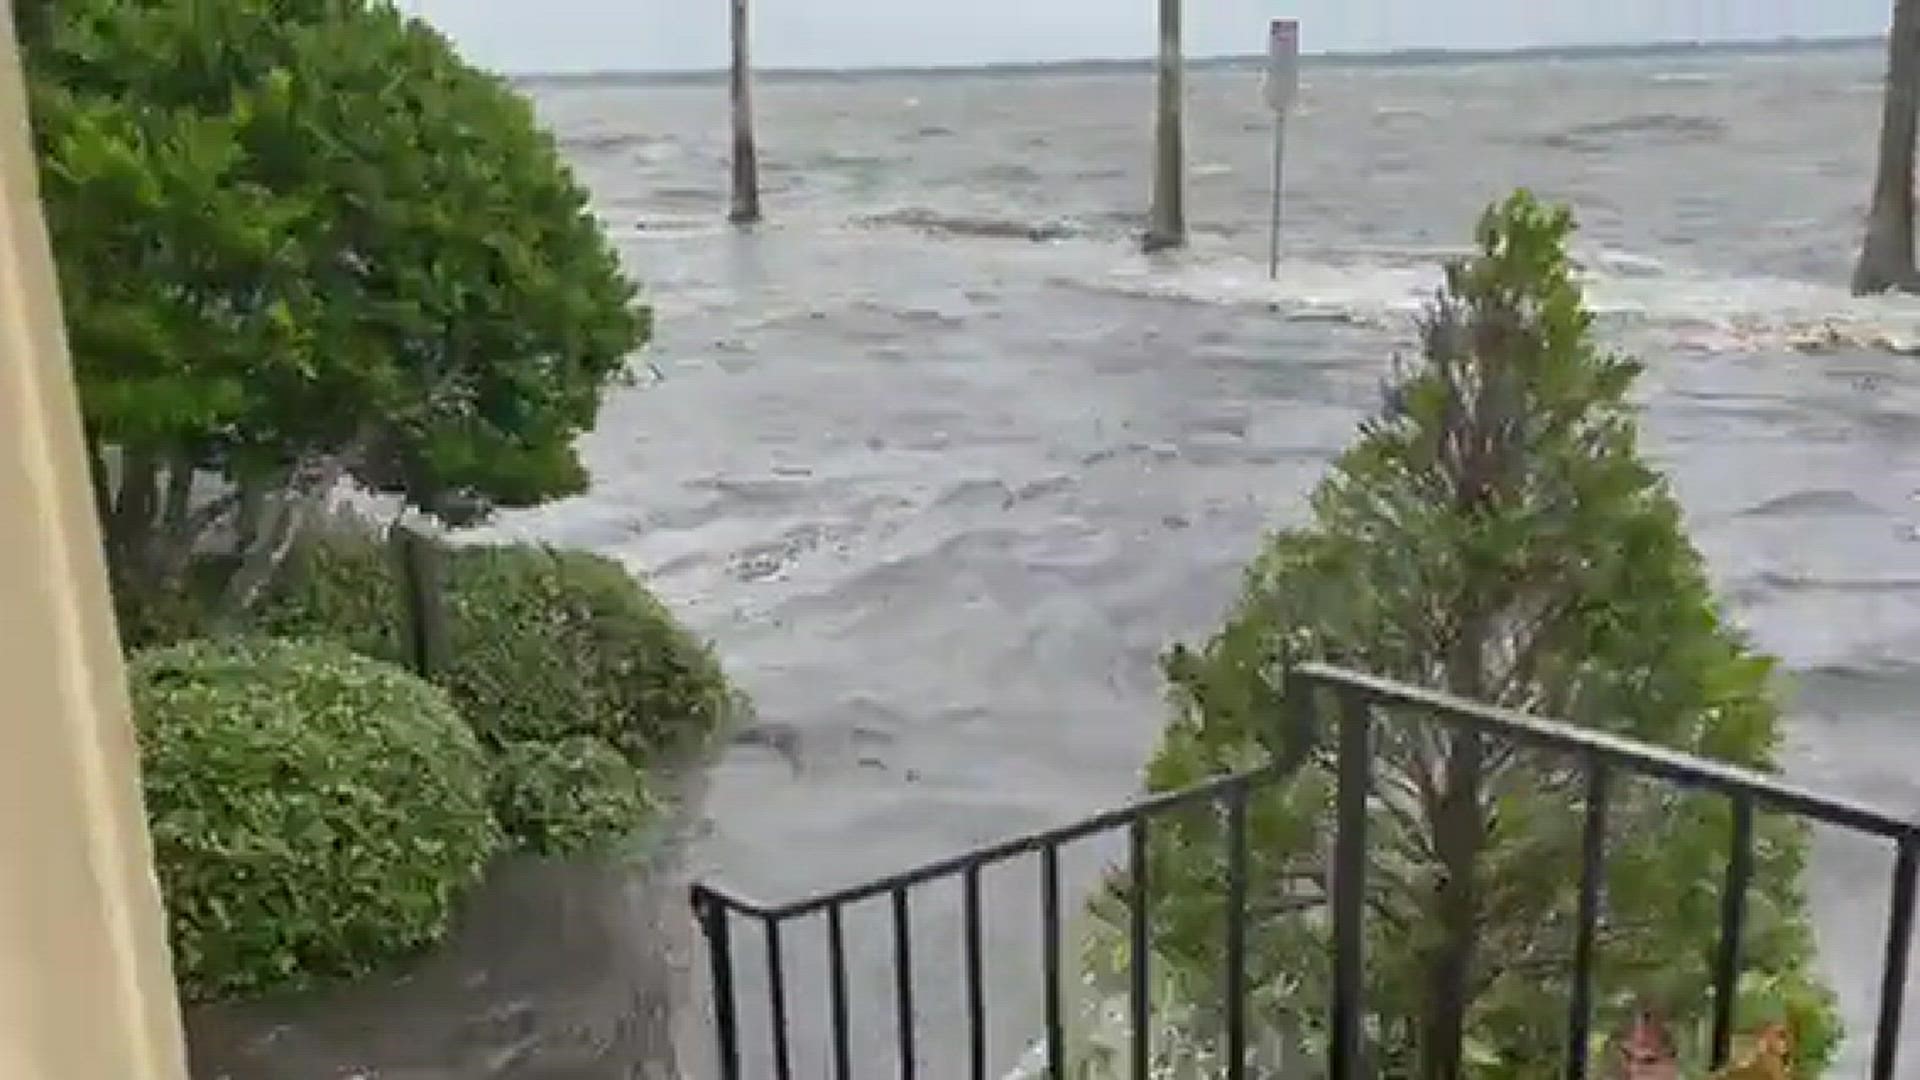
(151, 617)
(549, 644)
(340, 585)
(566, 797)
(545, 644)
(314, 813)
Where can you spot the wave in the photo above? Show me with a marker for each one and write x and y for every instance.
(1360, 294)
(1653, 301)
(1681, 308)
(833, 159)
(675, 226)
(1686, 78)
(651, 147)
(1619, 263)
(1888, 670)
(983, 227)
(1001, 174)
(1661, 127)
(1770, 583)
(1814, 503)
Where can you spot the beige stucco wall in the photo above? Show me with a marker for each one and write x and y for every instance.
(85, 988)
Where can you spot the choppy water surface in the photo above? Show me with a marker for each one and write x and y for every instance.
(941, 462)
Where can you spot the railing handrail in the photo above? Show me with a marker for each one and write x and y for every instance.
(1600, 755)
(992, 853)
(1616, 751)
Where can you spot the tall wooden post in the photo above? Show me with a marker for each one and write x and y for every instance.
(1167, 227)
(422, 561)
(1886, 259)
(746, 162)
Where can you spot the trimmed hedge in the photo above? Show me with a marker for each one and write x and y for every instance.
(340, 584)
(545, 644)
(315, 814)
(560, 650)
(550, 644)
(567, 797)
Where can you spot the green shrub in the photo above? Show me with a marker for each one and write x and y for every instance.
(152, 617)
(314, 813)
(566, 797)
(545, 644)
(340, 584)
(549, 644)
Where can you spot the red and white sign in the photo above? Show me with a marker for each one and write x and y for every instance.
(1283, 64)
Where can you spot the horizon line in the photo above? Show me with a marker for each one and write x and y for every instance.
(1382, 57)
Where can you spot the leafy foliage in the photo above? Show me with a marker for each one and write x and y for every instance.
(301, 239)
(567, 797)
(314, 814)
(562, 662)
(549, 644)
(1493, 533)
(477, 270)
(546, 644)
(342, 584)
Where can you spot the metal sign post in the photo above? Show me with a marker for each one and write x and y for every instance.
(1282, 88)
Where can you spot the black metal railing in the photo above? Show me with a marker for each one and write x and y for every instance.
(1602, 757)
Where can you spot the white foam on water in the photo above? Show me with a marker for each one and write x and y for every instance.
(1721, 313)
(633, 226)
(1686, 78)
(1671, 306)
(1614, 261)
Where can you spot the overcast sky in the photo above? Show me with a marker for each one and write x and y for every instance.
(650, 35)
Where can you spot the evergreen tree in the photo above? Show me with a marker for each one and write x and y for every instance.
(1493, 533)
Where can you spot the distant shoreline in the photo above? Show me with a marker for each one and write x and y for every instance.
(1396, 58)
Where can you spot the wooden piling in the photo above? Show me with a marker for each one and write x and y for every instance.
(422, 562)
(1887, 258)
(1167, 227)
(746, 163)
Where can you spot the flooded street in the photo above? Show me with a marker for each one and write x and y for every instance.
(941, 496)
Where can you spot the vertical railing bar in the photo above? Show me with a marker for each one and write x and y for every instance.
(837, 987)
(1593, 868)
(1349, 890)
(903, 979)
(777, 1001)
(1893, 977)
(1236, 988)
(1142, 948)
(1300, 731)
(715, 921)
(1733, 920)
(976, 982)
(1050, 957)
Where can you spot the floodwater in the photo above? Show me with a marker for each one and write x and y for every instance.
(941, 462)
